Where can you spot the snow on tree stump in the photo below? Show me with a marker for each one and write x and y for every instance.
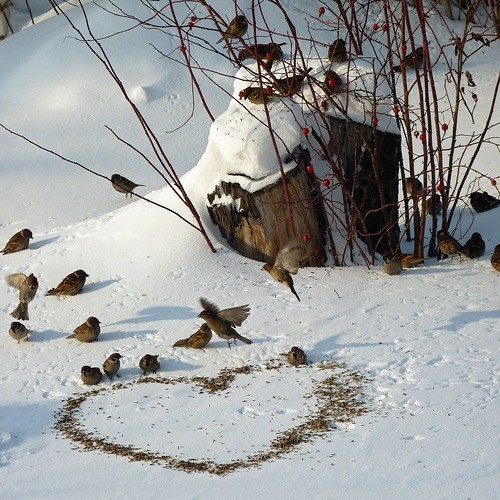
(369, 160)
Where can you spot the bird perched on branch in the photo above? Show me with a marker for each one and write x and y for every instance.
(391, 264)
(267, 52)
(296, 356)
(495, 259)
(18, 331)
(222, 322)
(337, 52)
(475, 246)
(71, 284)
(149, 363)
(112, 365)
(332, 84)
(123, 185)
(412, 60)
(20, 241)
(90, 376)
(285, 264)
(88, 331)
(408, 260)
(286, 87)
(235, 29)
(413, 186)
(449, 245)
(198, 340)
(27, 286)
(256, 95)
(433, 205)
(482, 201)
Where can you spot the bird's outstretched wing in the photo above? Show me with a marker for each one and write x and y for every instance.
(235, 315)
(208, 306)
(288, 257)
(16, 280)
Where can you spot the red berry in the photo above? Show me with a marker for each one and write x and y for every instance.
(324, 104)
(403, 47)
(306, 238)
(269, 89)
(269, 55)
(310, 169)
(440, 187)
(444, 127)
(182, 49)
(321, 11)
(190, 24)
(326, 182)
(395, 109)
(192, 19)
(375, 121)
(422, 137)
(331, 82)
(375, 27)
(241, 94)
(385, 27)
(493, 182)
(306, 131)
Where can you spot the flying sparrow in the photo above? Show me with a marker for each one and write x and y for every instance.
(88, 331)
(222, 322)
(71, 285)
(18, 331)
(482, 201)
(236, 28)
(149, 363)
(27, 286)
(337, 52)
(391, 264)
(296, 356)
(90, 376)
(412, 60)
(267, 52)
(112, 365)
(285, 264)
(288, 86)
(256, 95)
(475, 246)
(495, 259)
(198, 340)
(20, 241)
(332, 84)
(413, 186)
(433, 205)
(123, 185)
(449, 245)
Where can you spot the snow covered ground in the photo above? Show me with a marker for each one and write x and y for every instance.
(422, 347)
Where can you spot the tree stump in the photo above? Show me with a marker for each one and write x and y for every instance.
(4, 18)
(369, 160)
(257, 224)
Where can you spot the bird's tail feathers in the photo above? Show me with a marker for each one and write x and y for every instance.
(21, 312)
(181, 343)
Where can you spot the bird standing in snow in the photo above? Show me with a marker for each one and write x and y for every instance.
(20, 241)
(482, 201)
(235, 29)
(18, 331)
(90, 376)
(475, 246)
(222, 322)
(71, 285)
(198, 340)
(495, 259)
(391, 264)
(112, 365)
(27, 286)
(449, 245)
(88, 331)
(285, 264)
(123, 185)
(149, 363)
(296, 356)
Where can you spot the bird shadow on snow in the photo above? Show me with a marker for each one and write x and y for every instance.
(157, 313)
(106, 336)
(332, 343)
(97, 285)
(39, 244)
(465, 317)
(47, 335)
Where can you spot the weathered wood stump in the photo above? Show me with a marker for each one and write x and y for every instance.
(257, 224)
(369, 160)
(4, 18)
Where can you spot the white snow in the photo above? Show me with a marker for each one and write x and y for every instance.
(425, 342)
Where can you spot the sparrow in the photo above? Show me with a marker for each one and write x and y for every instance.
(198, 340)
(236, 28)
(296, 356)
(285, 264)
(27, 286)
(18, 331)
(222, 322)
(412, 60)
(88, 331)
(288, 86)
(149, 363)
(90, 376)
(408, 260)
(482, 201)
(337, 52)
(475, 246)
(268, 52)
(413, 186)
(495, 259)
(449, 245)
(332, 84)
(256, 95)
(123, 185)
(71, 285)
(112, 365)
(433, 205)
(20, 241)
(391, 264)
